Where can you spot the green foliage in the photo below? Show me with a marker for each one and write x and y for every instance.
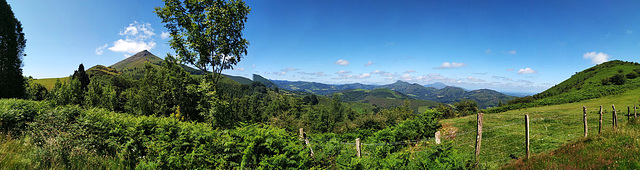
(68, 92)
(12, 44)
(206, 33)
(466, 107)
(101, 95)
(35, 91)
(82, 76)
(447, 111)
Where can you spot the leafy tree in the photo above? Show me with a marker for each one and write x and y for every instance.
(82, 76)
(466, 107)
(35, 91)
(618, 79)
(446, 110)
(12, 43)
(206, 34)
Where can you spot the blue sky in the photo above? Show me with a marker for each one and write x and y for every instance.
(501, 45)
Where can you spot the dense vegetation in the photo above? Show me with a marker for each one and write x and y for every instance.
(171, 119)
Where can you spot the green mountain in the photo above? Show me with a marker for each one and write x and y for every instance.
(385, 98)
(100, 70)
(134, 65)
(609, 78)
(264, 81)
(486, 98)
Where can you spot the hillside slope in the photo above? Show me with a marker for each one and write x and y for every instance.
(609, 78)
(385, 98)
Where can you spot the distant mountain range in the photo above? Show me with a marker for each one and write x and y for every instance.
(434, 92)
(437, 92)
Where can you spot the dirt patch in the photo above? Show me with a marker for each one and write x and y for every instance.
(448, 131)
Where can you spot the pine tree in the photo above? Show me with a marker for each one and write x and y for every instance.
(12, 43)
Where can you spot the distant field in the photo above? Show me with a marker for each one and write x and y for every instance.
(50, 82)
(550, 128)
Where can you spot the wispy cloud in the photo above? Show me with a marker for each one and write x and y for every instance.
(164, 35)
(629, 31)
(488, 51)
(410, 71)
(526, 71)
(100, 49)
(289, 69)
(239, 68)
(446, 65)
(341, 72)
(317, 74)
(364, 75)
(512, 52)
(473, 79)
(342, 62)
(137, 38)
(510, 69)
(369, 63)
(596, 58)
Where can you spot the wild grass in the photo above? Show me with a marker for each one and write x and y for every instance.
(50, 82)
(551, 127)
(613, 149)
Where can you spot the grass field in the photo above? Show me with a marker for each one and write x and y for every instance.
(550, 128)
(50, 82)
(613, 149)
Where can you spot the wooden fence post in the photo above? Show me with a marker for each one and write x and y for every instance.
(303, 136)
(358, 146)
(600, 124)
(615, 116)
(628, 113)
(479, 137)
(584, 120)
(437, 137)
(526, 127)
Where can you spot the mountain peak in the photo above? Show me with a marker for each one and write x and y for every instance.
(137, 60)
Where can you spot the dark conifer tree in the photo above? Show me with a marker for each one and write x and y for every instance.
(12, 43)
(82, 76)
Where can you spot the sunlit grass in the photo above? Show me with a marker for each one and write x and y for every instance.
(551, 127)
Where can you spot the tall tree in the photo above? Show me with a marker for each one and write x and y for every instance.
(206, 33)
(82, 76)
(12, 43)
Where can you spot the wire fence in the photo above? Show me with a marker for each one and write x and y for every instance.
(502, 143)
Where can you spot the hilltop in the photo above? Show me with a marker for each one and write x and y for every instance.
(609, 78)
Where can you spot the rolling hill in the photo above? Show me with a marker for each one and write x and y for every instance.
(486, 98)
(609, 78)
(385, 98)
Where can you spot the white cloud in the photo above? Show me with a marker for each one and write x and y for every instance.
(487, 51)
(410, 71)
(369, 63)
(406, 77)
(289, 69)
(342, 72)
(279, 73)
(317, 74)
(526, 71)
(254, 66)
(364, 75)
(131, 46)
(100, 49)
(473, 79)
(446, 65)
(137, 38)
(596, 58)
(512, 52)
(239, 68)
(164, 35)
(342, 62)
